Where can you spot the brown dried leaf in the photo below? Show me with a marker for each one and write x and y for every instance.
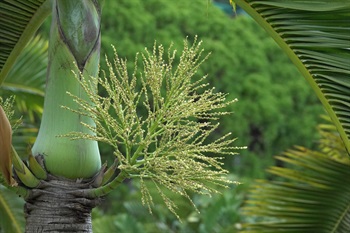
(5, 148)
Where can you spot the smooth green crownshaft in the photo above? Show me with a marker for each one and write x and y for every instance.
(74, 46)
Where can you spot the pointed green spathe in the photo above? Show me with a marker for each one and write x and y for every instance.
(74, 47)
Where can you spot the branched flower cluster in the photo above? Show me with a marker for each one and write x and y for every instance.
(158, 120)
(7, 106)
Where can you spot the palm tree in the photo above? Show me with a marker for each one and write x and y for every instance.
(63, 179)
(24, 19)
(315, 35)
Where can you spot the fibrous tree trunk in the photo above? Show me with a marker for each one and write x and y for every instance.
(56, 206)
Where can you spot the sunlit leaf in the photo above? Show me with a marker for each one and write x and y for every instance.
(11, 212)
(19, 20)
(316, 37)
(310, 194)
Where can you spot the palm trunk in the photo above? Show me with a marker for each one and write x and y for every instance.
(56, 207)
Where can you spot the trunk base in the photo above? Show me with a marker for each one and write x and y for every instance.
(55, 207)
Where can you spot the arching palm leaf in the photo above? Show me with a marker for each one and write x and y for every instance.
(18, 22)
(26, 81)
(11, 212)
(316, 37)
(27, 78)
(330, 143)
(314, 198)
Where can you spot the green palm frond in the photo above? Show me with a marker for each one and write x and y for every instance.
(19, 20)
(316, 37)
(27, 78)
(23, 138)
(26, 81)
(330, 143)
(313, 196)
(11, 212)
(29, 71)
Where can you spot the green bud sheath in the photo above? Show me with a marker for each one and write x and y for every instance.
(74, 38)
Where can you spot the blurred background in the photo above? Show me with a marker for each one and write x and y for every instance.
(276, 108)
